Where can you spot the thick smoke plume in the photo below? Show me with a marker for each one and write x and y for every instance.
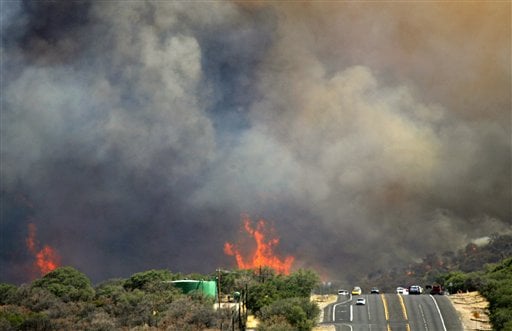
(135, 134)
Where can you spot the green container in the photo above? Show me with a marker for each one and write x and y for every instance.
(206, 287)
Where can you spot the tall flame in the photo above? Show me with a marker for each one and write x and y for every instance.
(263, 254)
(47, 259)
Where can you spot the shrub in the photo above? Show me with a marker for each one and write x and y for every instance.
(298, 312)
(39, 299)
(11, 317)
(18, 318)
(7, 293)
(275, 323)
(188, 314)
(66, 283)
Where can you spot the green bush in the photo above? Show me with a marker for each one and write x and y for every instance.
(300, 313)
(459, 281)
(11, 318)
(66, 283)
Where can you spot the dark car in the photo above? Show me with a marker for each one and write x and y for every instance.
(415, 289)
(374, 290)
(437, 289)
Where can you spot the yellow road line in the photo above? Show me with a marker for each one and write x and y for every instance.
(386, 312)
(404, 312)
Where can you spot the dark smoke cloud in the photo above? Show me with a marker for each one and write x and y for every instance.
(135, 135)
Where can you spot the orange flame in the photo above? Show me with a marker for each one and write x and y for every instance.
(47, 259)
(31, 239)
(263, 255)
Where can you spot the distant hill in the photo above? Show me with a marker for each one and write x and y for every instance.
(430, 269)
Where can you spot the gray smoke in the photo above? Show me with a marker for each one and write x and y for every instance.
(135, 134)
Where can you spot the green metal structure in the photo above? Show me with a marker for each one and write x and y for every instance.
(206, 287)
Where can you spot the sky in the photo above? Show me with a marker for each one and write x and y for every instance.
(135, 134)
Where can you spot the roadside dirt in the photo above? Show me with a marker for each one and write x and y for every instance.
(472, 309)
(323, 301)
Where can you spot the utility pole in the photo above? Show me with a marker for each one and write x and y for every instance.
(218, 286)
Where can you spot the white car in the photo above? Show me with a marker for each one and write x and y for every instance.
(402, 290)
(342, 292)
(361, 301)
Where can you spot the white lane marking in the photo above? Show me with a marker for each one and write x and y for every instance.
(423, 317)
(351, 313)
(368, 309)
(334, 307)
(439, 311)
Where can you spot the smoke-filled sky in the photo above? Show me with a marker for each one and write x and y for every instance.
(134, 134)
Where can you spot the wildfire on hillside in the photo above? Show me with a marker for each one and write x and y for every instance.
(262, 255)
(46, 259)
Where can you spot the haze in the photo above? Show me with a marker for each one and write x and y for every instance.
(134, 135)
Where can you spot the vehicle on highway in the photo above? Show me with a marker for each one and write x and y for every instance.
(342, 292)
(437, 289)
(400, 290)
(361, 301)
(374, 290)
(357, 291)
(415, 289)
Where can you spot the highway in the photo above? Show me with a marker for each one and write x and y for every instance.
(393, 312)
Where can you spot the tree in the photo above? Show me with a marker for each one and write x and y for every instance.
(66, 283)
(146, 279)
(497, 288)
(301, 283)
(458, 281)
(260, 295)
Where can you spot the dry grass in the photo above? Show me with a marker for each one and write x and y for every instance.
(472, 309)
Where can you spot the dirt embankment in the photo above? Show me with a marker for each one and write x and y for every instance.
(472, 309)
(323, 301)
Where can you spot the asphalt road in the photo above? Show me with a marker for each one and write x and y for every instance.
(393, 312)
